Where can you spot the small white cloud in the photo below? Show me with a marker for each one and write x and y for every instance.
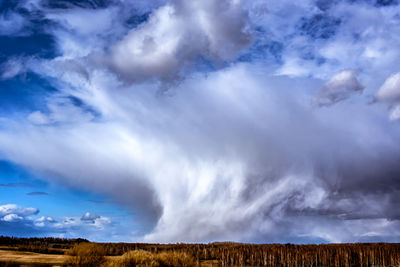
(338, 88)
(389, 94)
(89, 217)
(395, 113)
(19, 211)
(12, 218)
(102, 222)
(43, 221)
(20, 219)
(12, 68)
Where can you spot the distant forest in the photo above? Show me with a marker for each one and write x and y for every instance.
(234, 254)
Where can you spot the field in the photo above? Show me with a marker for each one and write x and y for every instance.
(29, 258)
(80, 252)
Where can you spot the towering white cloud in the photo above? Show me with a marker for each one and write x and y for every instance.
(222, 155)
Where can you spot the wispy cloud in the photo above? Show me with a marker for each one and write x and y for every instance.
(37, 193)
(17, 185)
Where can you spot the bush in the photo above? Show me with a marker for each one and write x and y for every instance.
(86, 255)
(175, 259)
(141, 258)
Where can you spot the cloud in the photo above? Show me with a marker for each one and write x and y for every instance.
(42, 221)
(362, 40)
(223, 160)
(12, 23)
(12, 68)
(12, 218)
(88, 217)
(83, 21)
(20, 221)
(12, 213)
(60, 110)
(395, 113)
(176, 34)
(338, 88)
(89, 222)
(17, 185)
(389, 93)
(37, 193)
(231, 153)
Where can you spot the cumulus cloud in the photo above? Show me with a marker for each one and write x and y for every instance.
(21, 221)
(42, 221)
(12, 218)
(389, 93)
(338, 88)
(362, 38)
(14, 211)
(176, 34)
(88, 217)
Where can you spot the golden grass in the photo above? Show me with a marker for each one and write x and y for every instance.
(23, 257)
(86, 255)
(141, 258)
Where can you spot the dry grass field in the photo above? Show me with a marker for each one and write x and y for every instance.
(28, 259)
(31, 258)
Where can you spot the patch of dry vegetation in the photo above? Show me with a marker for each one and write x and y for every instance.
(143, 258)
(138, 258)
(86, 255)
(179, 259)
(91, 254)
(18, 258)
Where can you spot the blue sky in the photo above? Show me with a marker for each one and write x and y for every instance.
(23, 188)
(170, 121)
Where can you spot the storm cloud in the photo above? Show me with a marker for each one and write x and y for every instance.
(172, 117)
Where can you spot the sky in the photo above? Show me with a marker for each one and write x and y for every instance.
(198, 121)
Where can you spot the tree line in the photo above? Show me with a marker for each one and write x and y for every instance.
(239, 254)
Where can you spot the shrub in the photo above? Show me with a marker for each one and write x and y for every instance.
(175, 259)
(141, 258)
(86, 255)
